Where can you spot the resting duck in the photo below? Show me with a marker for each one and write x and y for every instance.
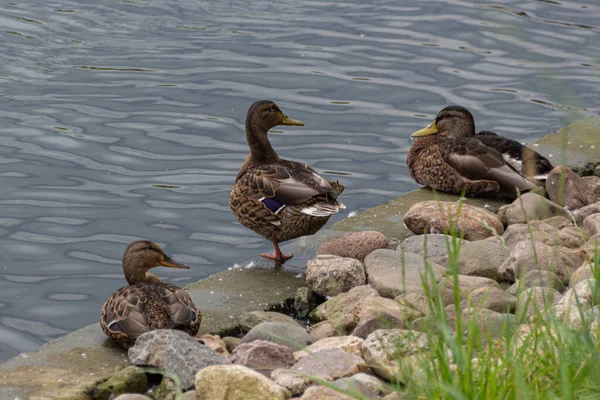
(448, 157)
(147, 303)
(276, 198)
(525, 160)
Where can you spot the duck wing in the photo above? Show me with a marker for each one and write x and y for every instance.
(286, 183)
(134, 310)
(528, 161)
(474, 160)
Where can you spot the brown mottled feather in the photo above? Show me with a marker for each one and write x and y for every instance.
(145, 306)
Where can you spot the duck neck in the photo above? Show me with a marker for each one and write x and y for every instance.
(136, 275)
(260, 147)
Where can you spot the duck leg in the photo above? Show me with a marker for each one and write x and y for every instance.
(277, 255)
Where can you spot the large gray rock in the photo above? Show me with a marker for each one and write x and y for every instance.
(250, 319)
(582, 273)
(393, 273)
(355, 245)
(292, 337)
(439, 216)
(481, 258)
(324, 393)
(491, 324)
(527, 256)
(236, 382)
(591, 224)
(590, 209)
(539, 231)
(530, 206)
(466, 284)
(263, 356)
(535, 299)
(537, 278)
(350, 344)
(175, 352)
(330, 364)
(371, 323)
(368, 386)
(293, 381)
(328, 275)
(346, 310)
(385, 349)
(492, 298)
(434, 246)
(584, 291)
(566, 188)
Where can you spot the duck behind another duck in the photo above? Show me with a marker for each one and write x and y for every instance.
(276, 198)
(447, 157)
(147, 303)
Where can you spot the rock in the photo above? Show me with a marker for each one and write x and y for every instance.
(559, 222)
(215, 343)
(466, 284)
(568, 189)
(293, 381)
(481, 258)
(535, 299)
(330, 364)
(293, 337)
(231, 342)
(355, 245)
(263, 356)
(531, 207)
(132, 396)
(393, 273)
(365, 385)
(165, 391)
(415, 300)
(432, 245)
(175, 352)
(328, 275)
(350, 344)
(586, 211)
(249, 320)
(527, 256)
(437, 217)
(371, 323)
(492, 298)
(128, 380)
(323, 393)
(383, 349)
(346, 310)
(593, 183)
(189, 395)
(582, 273)
(491, 324)
(537, 278)
(584, 291)
(236, 382)
(323, 330)
(539, 231)
(591, 224)
(303, 302)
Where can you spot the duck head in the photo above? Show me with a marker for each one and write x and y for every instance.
(142, 255)
(451, 122)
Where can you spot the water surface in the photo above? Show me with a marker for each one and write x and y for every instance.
(124, 120)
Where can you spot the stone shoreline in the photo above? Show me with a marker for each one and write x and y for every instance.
(73, 366)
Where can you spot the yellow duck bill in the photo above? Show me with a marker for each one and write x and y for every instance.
(430, 129)
(290, 121)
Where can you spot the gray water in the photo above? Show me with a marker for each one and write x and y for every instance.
(124, 119)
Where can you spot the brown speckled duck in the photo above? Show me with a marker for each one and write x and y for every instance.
(447, 156)
(276, 198)
(147, 303)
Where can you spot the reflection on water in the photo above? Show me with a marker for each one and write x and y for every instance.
(124, 120)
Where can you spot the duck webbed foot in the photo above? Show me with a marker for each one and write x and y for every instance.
(277, 255)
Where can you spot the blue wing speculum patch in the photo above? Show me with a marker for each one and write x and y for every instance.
(272, 204)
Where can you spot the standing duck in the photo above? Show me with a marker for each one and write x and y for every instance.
(528, 162)
(276, 198)
(448, 157)
(147, 303)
